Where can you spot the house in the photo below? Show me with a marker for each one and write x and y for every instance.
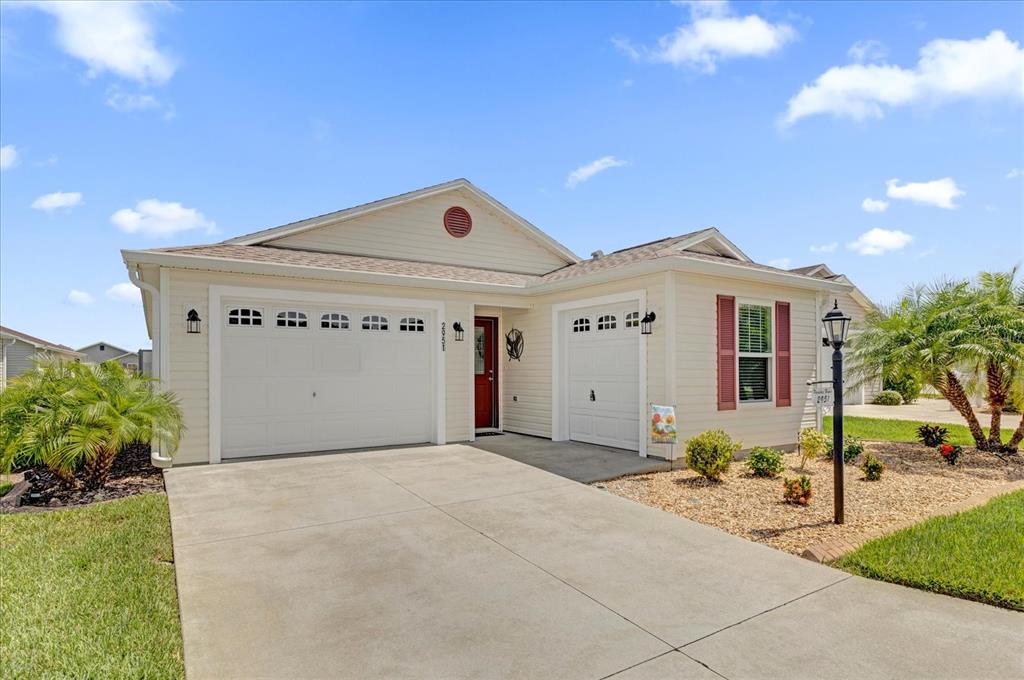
(100, 352)
(440, 313)
(19, 351)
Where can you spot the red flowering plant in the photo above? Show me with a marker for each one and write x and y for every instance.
(950, 452)
(797, 491)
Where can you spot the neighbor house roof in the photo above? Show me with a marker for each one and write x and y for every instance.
(37, 342)
(105, 344)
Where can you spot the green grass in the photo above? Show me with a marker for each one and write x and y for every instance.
(89, 593)
(974, 554)
(5, 487)
(880, 429)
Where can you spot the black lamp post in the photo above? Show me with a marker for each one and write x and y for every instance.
(837, 325)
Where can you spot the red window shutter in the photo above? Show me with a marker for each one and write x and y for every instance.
(783, 365)
(726, 353)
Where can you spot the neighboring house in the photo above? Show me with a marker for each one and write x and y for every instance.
(20, 351)
(99, 352)
(342, 331)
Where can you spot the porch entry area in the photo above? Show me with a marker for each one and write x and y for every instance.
(485, 372)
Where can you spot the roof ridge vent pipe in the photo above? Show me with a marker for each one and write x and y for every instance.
(597, 254)
(135, 276)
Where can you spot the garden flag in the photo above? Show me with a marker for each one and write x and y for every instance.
(663, 424)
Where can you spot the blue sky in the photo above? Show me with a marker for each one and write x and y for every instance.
(135, 126)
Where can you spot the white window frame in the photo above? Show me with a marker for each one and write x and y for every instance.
(412, 324)
(379, 318)
(770, 356)
(607, 322)
(631, 320)
(291, 310)
(581, 324)
(343, 318)
(230, 308)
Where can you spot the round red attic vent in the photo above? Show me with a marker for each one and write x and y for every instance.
(457, 221)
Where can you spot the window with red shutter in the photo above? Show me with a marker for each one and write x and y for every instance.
(783, 364)
(726, 353)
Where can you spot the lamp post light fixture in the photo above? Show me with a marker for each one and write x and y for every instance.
(837, 325)
(646, 322)
(192, 321)
(457, 327)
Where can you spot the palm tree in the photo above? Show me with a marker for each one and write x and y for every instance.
(922, 335)
(77, 417)
(994, 327)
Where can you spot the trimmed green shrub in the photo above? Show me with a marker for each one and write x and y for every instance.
(888, 398)
(710, 453)
(812, 444)
(797, 491)
(765, 462)
(907, 385)
(932, 435)
(873, 468)
(852, 447)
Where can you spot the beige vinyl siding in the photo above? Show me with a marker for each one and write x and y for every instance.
(20, 357)
(754, 424)
(415, 231)
(189, 354)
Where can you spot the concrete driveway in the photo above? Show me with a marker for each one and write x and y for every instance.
(451, 562)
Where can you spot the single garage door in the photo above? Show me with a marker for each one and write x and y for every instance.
(302, 378)
(603, 375)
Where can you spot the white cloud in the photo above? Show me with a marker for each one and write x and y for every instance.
(779, 262)
(160, 219)
(940, 192)
(867, 50)
(80, 297)
(874, 205)
(57, 200)
(879, 241)
(987, 67)
(714, 34)
(126, 102)
(112, 36)
(826, 248)
(8, 156)
(124, 292)
(585, 172)
(1014, 173)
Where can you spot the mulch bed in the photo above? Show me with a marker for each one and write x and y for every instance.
(917, 481)
(132, 474)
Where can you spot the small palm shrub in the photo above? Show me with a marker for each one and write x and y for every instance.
(710, 453)
(932, 435)
(950, 452)
(888, 398)
(872, 468)
(797, 491)
(852, 447)
(812, 444)
(76, 418)
(765, 462)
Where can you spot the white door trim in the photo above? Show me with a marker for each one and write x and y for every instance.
(559, 372)
(217, 293)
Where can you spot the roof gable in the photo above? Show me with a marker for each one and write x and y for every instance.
(409, 226)
(36, 342)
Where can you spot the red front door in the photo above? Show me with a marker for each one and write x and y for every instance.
(485, 371)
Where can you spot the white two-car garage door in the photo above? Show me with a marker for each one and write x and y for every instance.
(603, 375)
(301, 378)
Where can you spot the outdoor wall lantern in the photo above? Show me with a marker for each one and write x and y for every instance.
(459, 333)
(192, 321)
(647, 322)
(837, 325)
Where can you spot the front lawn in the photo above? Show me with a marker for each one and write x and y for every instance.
(881, 429)
(974, 554)
(90, 593)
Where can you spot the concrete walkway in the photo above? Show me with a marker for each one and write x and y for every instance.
(451, 562)
(928, 411)
(585, 463)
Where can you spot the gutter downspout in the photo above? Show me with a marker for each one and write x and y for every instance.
(135, 275)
